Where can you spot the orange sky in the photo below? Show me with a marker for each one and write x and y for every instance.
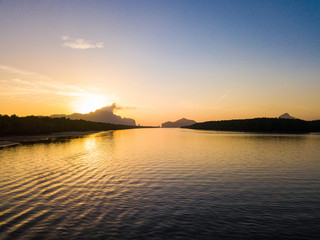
(161, 62)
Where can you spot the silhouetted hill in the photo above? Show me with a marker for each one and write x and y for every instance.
(104, 114)
(261, 125)
(179, 123)
(13, 125)
(286, 116)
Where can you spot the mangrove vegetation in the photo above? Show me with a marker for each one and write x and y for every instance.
(14, 125)
(275, 125)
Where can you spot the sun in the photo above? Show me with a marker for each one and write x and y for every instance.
(89, 103)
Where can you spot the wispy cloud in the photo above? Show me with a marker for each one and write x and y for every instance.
(80, 43)
(16, 71)
(17, 82)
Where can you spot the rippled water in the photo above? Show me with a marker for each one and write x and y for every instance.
(162, 184)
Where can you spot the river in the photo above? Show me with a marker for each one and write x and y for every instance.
(162, 184)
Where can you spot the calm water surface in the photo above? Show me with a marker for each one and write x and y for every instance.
(162, 184)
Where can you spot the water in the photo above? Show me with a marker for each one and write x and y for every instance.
(162, 184)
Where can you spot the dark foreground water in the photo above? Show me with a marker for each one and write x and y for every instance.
(162, 184)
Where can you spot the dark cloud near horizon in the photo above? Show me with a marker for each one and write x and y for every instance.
(114, 107)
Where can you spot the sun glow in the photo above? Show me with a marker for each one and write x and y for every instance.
(90, 103)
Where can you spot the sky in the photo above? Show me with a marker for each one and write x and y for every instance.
(161, 60)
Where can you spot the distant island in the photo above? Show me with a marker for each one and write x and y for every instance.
(30, 125)
(272, 125)
(105, 114)
(286, 116)
(179, 123)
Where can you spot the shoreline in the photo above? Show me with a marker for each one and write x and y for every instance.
(14, 140)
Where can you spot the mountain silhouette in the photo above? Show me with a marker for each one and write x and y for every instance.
(179, 123)
(104, 114)
(286, 116)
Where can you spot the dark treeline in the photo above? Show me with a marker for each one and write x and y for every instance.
(13, 125)
(261, 125)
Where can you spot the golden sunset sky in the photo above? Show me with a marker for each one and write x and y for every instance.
(161, 60)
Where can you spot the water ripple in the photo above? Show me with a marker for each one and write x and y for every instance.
(181, 185)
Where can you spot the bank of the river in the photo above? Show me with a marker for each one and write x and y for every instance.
(260, 125)
(7, 141)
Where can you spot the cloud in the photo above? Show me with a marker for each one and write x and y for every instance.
(16, 71)
(65, 38)
(79, 43)
(17, 82)
(114, 107)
